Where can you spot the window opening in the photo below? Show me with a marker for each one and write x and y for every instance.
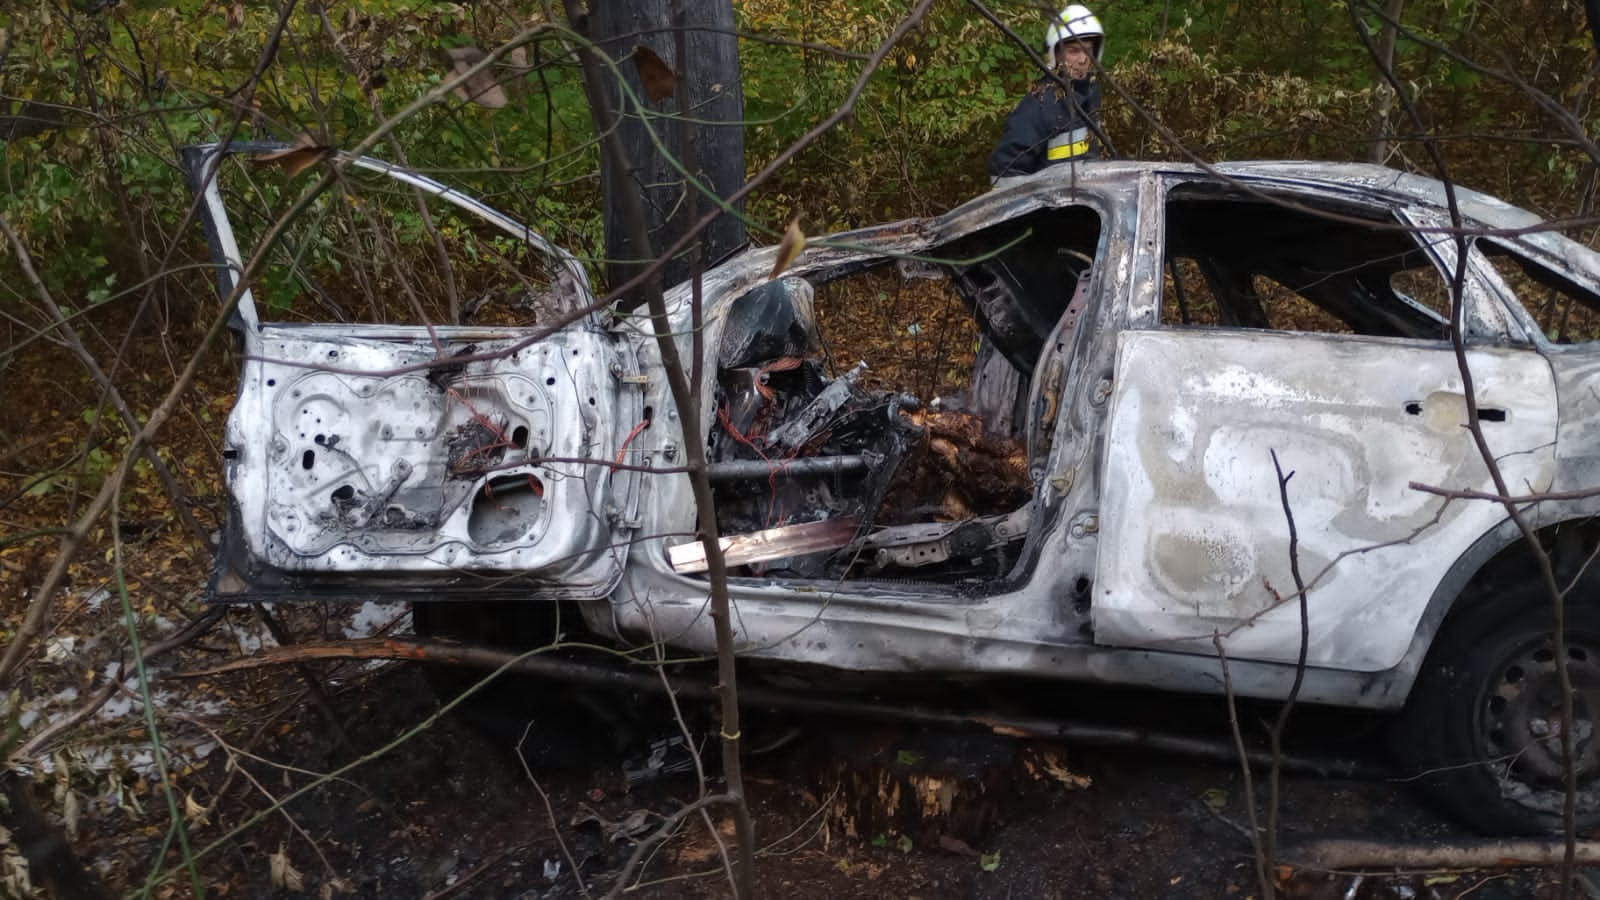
(1565, 312)
(1239, 261)
(879, 409)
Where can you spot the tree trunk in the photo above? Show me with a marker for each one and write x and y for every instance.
(716, 100)
(1380, 115)
(51, 862)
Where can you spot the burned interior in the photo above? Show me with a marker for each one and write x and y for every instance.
(1253, 260)
(825, 469)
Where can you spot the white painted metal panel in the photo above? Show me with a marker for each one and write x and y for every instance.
(1194, 538)
(353, 449)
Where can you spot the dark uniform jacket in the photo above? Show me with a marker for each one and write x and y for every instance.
(1050, 125)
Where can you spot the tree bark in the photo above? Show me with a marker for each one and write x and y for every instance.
(716, 102)
(1380, 116)
(51, 861)
(1468, 854)
(633, 216)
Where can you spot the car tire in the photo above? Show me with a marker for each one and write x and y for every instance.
(558, 724)
(1480, 726)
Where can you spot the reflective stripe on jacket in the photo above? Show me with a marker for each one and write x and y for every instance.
(1068, 145)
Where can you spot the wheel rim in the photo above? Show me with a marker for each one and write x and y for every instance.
(1520, 725)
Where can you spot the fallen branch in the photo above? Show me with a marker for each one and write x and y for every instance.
(644, 678)
(414, 649)
(1336, 854)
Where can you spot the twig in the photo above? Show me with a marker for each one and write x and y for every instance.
(662, 833)
(1546, 569)
(255, 782)
(398, 741)
(238, 751)
(685, 398)
(555, 826)
(319, 696)
(108, 388)
(1519, 499)
(471, 875)
(1244, 764)
(158, 750)
(1282, 722)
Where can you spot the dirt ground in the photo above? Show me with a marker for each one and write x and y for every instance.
(452, 813)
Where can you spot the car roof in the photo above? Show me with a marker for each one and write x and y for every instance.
(1481, 211)
(1365, 178)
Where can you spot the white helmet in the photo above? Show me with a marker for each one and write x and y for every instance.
(1075, 22)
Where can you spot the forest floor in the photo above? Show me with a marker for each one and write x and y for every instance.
(451, 812)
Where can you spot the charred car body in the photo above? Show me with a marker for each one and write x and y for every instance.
(1100, 505)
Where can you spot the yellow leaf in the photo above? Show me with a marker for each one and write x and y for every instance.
(283, 874)
(193, 811)
(789, 249)
(305, 153)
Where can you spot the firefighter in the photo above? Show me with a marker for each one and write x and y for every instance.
(1055, 124)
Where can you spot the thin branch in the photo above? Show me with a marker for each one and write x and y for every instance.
(555, 827)
(685, 397)
(1244, 764)
(1282, 722)
(1517, 500)
(108, 388)
(661, 834)
(1546, 570)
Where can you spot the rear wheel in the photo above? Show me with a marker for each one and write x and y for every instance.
(1483, 722)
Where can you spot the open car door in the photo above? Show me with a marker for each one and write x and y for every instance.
(365, 459)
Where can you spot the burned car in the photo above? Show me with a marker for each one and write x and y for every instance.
(1098, 505)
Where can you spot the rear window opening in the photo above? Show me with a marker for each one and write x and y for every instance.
(1243, 261)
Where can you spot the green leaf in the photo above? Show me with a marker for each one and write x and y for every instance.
(44, 486)
(989, 861)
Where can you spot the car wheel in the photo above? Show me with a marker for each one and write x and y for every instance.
(565, 725)
(1483, 723)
